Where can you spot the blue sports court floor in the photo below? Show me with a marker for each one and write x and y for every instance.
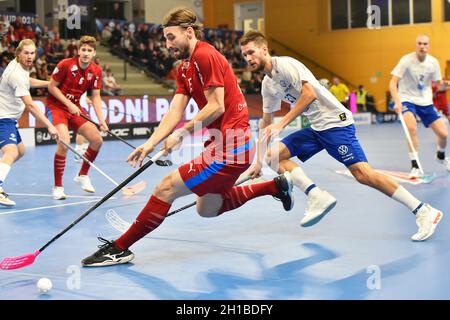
(361, 250)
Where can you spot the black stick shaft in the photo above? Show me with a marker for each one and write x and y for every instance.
(111, 133)
(102, 200)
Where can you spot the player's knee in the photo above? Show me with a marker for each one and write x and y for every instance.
(412, 129)
(270, 160)
(164, 190)
(97, 141)
(205, 212)
(20, 154)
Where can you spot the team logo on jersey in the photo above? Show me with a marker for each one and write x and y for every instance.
(90, 75)
(81, 81)
(283, 83)
(185, 65)
(343, 116)
(343, 150)
(73, 70)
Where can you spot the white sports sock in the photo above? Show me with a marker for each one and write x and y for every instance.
(4, 170)
(302, 182)
(406, 198)
(413, 155)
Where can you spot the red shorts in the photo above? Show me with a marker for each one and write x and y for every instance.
(56, 115)
(443, 108)
(203, 176)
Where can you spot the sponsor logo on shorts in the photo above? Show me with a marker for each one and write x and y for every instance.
(191, 168)
(343, 150)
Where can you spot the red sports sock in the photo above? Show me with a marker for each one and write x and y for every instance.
(59, 163)
(148, 220)
(237, 196)
(90, 154)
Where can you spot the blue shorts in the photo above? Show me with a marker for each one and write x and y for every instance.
(428, 114)
(9, 134)
(341, 143)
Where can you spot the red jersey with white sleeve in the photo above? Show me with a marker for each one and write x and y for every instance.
(74, 81)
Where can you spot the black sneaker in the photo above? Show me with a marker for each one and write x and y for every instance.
(107, 255)
(284, 184)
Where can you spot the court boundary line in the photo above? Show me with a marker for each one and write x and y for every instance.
(48, 207)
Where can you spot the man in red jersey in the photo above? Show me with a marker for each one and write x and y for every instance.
(440, 100)
(205, 76)
(71, 78)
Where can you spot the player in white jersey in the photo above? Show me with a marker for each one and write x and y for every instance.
(14, 98)
(411, 90)
(331, 129)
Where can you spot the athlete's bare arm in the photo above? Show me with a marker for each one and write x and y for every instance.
(97, 103)
(36, 83)
(165, 128)
(34, 110)
(307, 96)
(213, 109)
(255, 170)
(393, 87)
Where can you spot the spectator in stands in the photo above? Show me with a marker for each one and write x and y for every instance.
(73, 48)
(9, 54)
(42, 68)
(117, 12)
(54, 33)
(3, 45)
(141, 54)
(111, 87)
(12, 36)
(126, 43)
(106, 34)
(116, 36)
(340, 91)
(361, 99)
(37, 29)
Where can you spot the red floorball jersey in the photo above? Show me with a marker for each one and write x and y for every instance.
(74, 81)
(208, 68)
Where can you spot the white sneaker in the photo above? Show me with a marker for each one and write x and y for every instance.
(5, 200)
(81, 149)
(85, 183)
(446, 163)
(414, 173)
(426, 219)
(58, 193)
(318, 206)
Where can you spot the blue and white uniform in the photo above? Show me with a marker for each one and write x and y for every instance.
(14, 84)
(415, 85)
(332, 126)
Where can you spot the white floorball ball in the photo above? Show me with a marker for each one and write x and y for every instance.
(44, 285)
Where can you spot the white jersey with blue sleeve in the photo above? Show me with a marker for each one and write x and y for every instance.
(14, 84)
(286, 84)
(416, 79)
